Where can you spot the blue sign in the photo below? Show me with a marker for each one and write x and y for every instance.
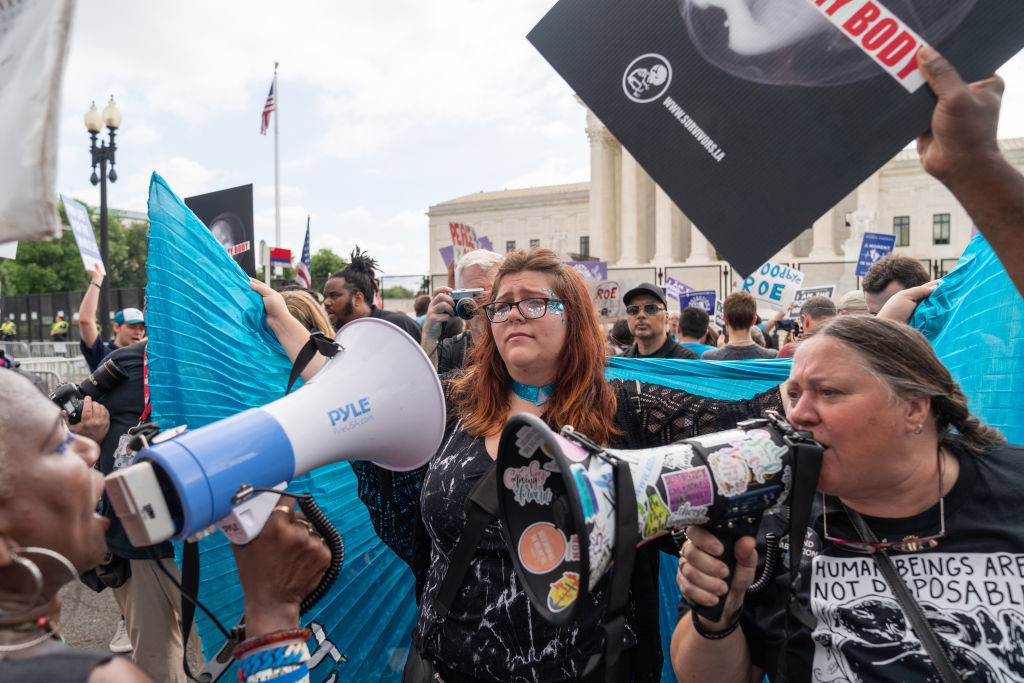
(81, 228)
(674, 288)
(874, 246)
(595, 271)
(699, 298)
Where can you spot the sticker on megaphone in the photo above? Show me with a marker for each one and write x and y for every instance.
(558, 508)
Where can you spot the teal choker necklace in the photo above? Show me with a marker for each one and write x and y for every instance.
(538, 395)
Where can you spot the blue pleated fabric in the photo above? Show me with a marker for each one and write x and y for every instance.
(975, 322)
(211, 355)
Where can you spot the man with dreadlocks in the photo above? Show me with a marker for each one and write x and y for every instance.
(349, 295)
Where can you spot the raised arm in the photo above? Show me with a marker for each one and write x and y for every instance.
(87, 310)
(289, 331)
(961, 151)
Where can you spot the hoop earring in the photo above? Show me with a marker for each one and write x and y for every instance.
(919, 429)
(37, 576)
(53, 555)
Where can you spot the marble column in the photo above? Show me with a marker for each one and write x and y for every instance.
(603, 225)
(700, 248)
(823, 248)
(629, 218)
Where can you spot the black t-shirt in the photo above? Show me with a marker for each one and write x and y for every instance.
(410, 326)
(670, 349)
(970, 587)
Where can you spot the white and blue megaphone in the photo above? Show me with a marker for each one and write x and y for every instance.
(377, 399)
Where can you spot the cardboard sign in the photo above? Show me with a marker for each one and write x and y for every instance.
(85, 238)
(774, 285)
(719, 314)
(758, 118)
(674, 288)
(608, 300)
(699, 298)
(590, 270)
(803, 295)
(463, 239)
(9, 250)
(874, 246)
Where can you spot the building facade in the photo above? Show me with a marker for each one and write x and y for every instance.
(623, 218)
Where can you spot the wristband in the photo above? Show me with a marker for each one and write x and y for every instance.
(712, 635)
(249, 644)
(95, 285)
(284, 663)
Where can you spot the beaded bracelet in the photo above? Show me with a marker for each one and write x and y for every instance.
(275, 663)
(712, 635)
(249, 644)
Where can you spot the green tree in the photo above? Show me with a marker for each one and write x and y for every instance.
(397, 292)
(321, 265)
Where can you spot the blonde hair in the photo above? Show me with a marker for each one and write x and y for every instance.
(307, 311)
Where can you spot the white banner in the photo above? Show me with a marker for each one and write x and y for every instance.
(774, 285)
(33, 46)
(9, 250)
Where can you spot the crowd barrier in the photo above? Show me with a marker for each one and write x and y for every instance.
(65, 369)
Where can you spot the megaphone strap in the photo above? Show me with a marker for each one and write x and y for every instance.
(317, 342)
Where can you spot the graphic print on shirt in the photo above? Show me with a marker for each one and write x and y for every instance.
(974, 602)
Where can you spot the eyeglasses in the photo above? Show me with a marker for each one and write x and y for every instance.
(530, 309)
(907, 545)
(649, 309)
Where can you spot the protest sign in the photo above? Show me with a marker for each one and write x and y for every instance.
(607, 297)
(774, 285)
(228, 215)
(81, 228)
(9, 250)
(719, 314)
(673, 288)
(803, 295)
(590, 270)
(874, 246)
(699, 298)
(463, 239)
(756, 122)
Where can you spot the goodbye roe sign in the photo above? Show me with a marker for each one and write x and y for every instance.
(774, 285)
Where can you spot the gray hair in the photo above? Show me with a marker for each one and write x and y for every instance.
(478, 257)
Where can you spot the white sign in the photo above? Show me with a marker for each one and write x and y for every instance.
(803, 295)
(81, 227)
(9, 250)
(608, 299)
(774, 285)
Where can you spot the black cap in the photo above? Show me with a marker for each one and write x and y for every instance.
(645, 288)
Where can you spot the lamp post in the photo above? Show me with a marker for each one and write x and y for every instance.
(101, 155)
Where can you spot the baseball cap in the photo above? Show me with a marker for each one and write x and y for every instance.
(645, 288)
(852, 301)
(129, 315)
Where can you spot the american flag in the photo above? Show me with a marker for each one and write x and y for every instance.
(302, 276)
(268, 109)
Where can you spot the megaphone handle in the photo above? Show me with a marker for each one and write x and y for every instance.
(728, 534)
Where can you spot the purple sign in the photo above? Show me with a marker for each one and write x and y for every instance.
(447, 254)
(596, 271)
(699, 298)
(674, 288)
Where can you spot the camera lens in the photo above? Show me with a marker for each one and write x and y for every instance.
(465, 308)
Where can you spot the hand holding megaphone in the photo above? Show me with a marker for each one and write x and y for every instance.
(707, 580)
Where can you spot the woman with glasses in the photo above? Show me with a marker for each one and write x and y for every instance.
(544, 355)
(907, 472)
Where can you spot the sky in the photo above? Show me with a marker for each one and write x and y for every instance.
(386, 108)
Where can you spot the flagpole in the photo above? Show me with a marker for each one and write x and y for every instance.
(277, 184)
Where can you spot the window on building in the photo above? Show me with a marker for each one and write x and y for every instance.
(534, 243)
(901, 228)
(940, 228)
(584, 245)
(510, 245)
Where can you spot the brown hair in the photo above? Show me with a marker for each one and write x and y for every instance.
(582, 397)
(903, 360)
(740, 310)
(907, 271)
(307, 311)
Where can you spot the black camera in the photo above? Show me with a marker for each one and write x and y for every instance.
(788, 325)
(465, 302)
(70, 396)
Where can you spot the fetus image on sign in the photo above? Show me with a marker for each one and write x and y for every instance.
(793, 42)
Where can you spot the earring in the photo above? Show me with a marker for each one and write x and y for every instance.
(37, 577)
(919, 429)
(53, 555)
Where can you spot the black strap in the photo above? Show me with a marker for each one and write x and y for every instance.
(481, 508)
(947, 674)
(318, 342)
(189, 586)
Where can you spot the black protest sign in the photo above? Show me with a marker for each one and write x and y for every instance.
(228, 215)
(757, 117)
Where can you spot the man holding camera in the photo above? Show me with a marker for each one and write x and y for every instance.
(129, 325)
(814, 311)
(475, 270)
(148, 599)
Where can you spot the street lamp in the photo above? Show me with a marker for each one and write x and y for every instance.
(101, 154)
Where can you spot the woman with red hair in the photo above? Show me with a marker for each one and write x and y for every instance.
(544, 356)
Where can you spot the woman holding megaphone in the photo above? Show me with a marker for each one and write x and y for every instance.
(920, 513)
(50, 532)
(544, 356)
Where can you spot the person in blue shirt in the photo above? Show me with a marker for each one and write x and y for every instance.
(129, 325)
(693, 329)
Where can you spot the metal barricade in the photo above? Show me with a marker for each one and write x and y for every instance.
(66, 369)
(14, 349)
